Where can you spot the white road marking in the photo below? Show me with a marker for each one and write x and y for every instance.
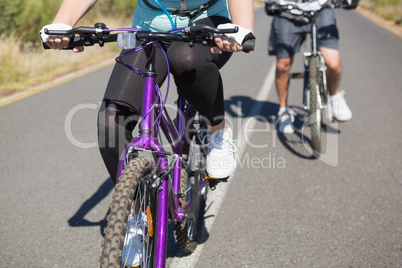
(218, 195)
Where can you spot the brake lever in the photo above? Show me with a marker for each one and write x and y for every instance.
(82, 36)
(101, 26)
(59, 32)
(205, 29)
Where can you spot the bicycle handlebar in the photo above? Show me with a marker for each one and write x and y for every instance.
(307, 15)
(99, 34)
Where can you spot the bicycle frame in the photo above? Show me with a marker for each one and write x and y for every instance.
(168, 205)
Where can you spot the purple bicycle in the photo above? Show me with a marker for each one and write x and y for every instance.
(164, 185)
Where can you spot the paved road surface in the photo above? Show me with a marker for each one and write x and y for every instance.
(281, 208)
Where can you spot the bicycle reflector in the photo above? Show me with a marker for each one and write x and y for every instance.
(126, 40)
(149, 222)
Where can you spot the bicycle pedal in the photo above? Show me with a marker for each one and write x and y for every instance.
(214, 182)
(296, 75)
(179, 195)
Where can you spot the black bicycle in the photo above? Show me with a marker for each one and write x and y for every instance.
(315, 90)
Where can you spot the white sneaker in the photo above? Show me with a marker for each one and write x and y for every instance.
(133, 244)
(221, 157)
(340, 108)
(285, 121)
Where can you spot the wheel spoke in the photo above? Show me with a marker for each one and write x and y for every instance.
(129, 227)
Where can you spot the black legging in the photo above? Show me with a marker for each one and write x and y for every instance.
(196, 74)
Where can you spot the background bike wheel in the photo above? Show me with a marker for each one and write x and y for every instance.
(315, 111)
(132, 195)
(186, 230)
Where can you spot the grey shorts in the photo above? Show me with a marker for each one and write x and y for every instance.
(286, 38)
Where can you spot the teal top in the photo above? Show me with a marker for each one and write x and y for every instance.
(148, 19)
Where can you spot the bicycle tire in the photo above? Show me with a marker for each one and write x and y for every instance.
(130, 190)
(315, 110)
(186, 231)
(326, 111)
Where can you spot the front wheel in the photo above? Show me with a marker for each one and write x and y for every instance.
(129, 239)
(315, 110)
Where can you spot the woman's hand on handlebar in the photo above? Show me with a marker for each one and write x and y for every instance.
(56, 41)
(231, 42)
(225, 43)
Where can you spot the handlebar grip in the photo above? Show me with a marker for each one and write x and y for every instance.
(249, 45)
(74, 43)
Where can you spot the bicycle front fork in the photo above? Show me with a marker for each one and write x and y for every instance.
(323, 100)
(322, 80)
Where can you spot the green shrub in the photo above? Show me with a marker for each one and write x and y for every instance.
(9, 10)
(24, 18)
(123, 8)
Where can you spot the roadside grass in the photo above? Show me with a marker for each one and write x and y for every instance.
(24, 66)
(21, 70)
(390, 10)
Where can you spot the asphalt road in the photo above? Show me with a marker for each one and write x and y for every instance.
(280, 209)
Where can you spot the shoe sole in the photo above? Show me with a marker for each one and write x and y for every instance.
(336, 120)
(286, 132)
(216, 179)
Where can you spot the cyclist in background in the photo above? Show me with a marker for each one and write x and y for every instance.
(195, 71)
(286, 37)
